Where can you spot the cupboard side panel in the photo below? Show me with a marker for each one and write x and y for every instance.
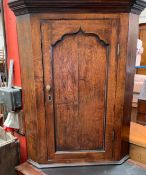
(120, 86)
(129, 82)
(28, 84)
(39, 88)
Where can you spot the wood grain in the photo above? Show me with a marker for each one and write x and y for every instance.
(21, 7)
(129, 79)
(138, 153)
(82, 87)
(80, 97)
(141, 114)
(138, 137)
(142, 36)
(28, 92)
(138, 142)
(32, 88)
(27, 169)
(88, 61)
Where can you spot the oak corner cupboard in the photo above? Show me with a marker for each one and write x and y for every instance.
(77, 67)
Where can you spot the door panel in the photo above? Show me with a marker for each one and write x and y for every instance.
(65, 61)
(79, 86)
(79, 65)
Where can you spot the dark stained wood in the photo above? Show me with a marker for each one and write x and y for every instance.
(28, 169)
(1, 121)
(141, 106)
(21, 123)
(141, 118)
(32, 91)
(77, 79)
(28, 92)
(141, 115)
(120, 86)
(79, 95)
(80, 99)
(129, 79)
(114, 125)
(21, 7)
(142, 36)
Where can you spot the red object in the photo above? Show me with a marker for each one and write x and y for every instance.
(8, 129)
(13, 53)
(22, 140)
(12, 43)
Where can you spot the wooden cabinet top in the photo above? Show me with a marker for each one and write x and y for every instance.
(21, 7)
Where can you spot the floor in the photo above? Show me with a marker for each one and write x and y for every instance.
(127, 168)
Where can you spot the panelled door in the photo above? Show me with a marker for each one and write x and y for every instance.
(79, 61)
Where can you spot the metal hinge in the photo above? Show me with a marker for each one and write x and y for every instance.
(113, 135)
(118, 49)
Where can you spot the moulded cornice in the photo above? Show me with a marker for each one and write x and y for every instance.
(21, 7)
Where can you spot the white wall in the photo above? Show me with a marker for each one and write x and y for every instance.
(1, 33)
(142, 18)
